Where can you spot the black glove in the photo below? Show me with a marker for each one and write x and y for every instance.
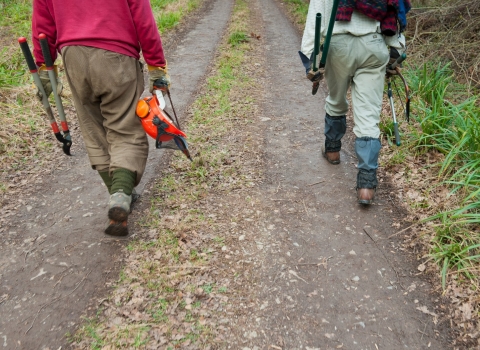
(394, 54)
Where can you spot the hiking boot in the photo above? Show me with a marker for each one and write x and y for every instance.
(118, 210)
(365, 195)
(115, 228)
(331, 157)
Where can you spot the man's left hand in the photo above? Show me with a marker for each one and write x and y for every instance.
(158, 78)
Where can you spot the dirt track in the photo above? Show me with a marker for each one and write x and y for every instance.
(330, 275)
(333, 277)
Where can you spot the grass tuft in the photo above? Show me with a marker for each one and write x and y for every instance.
(237, 38)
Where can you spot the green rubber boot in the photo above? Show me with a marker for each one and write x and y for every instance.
(119, 205)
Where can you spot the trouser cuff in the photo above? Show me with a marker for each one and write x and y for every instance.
(335, 127)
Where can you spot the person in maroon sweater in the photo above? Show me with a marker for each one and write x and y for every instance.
(100, 44)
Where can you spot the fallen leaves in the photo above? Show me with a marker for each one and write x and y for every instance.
(255, 36)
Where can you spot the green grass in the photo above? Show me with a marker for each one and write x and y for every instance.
(15, 17)
(167, 20)
(301, 7)
(449, 123)
(15, 21)
(237, 38)
(89, 329)
(13, 71)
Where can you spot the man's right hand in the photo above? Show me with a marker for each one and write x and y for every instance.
(46, 83)
(317, 76)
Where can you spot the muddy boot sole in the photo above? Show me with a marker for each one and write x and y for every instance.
(365, 201)
(115, 228)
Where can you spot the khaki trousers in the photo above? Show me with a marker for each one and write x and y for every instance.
(106, 87)
(358, 62)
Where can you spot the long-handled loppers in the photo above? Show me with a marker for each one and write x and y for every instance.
(64, 138)
(326, 44)
(393, 66)
(316, 49)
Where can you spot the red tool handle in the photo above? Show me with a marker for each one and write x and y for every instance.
(28, 54)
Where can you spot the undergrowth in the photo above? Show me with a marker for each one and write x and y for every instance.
(449, 124)
(298, 9)
(24, 132)
(169, 13)
(448, 30)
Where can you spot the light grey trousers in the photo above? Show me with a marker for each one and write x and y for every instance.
(358, 62)
(105, 88)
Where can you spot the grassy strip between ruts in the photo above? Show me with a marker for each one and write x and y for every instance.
(175, 286)
(298, 10)
(26, 140)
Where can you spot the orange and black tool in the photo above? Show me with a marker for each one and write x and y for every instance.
(159, 125)
(64, 138)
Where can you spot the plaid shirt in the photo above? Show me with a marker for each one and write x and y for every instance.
(384, 11)
(358, 25)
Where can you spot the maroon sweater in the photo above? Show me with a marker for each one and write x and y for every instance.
(122, 26)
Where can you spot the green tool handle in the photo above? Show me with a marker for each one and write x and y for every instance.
(326, 44)
(316, 44)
